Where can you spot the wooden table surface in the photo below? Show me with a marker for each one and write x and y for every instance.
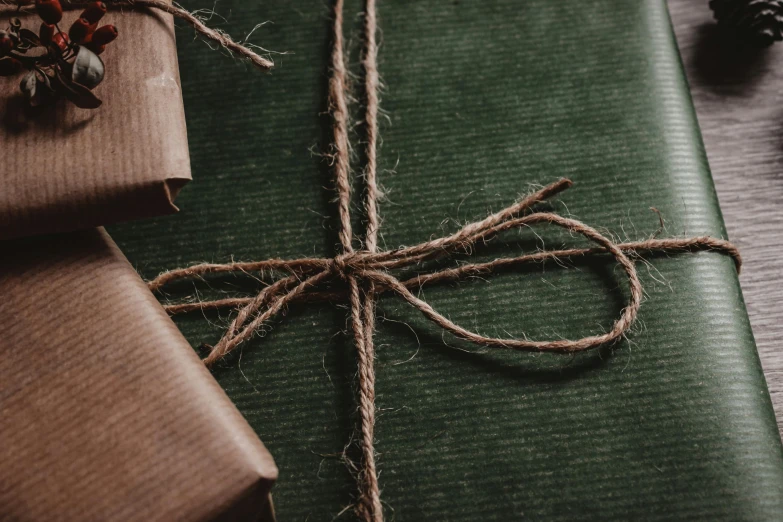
(737, 94)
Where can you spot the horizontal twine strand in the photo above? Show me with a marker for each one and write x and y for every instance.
(176, 11)
(307, 275)
(465, 271)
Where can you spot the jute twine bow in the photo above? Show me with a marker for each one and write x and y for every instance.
(214, 35)
(367, 272)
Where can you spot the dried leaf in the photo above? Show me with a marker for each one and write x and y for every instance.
(34, 88)
(88, 69)
(87, 100)
(77, 94)
(28, 84)
(30, 37)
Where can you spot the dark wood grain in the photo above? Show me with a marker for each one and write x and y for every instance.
(737, 93)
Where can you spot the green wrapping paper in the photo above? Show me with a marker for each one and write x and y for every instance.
(484, 98)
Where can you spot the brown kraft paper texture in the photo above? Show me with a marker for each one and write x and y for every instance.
(63, 168)
(107, 412)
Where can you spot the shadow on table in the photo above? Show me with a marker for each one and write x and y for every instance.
(723, 63)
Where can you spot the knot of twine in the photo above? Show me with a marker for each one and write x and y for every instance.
(344, 265)
(365, 269)
(366, 273)
(214, 35)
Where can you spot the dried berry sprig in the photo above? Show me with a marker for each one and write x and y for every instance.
(67, 64)
(58, 64)
(243, 50)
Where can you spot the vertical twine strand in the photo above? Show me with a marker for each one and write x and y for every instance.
(362, 310)
(370, 508)
(338, 106)
(371, 87)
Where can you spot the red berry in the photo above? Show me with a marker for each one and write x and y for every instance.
(6, 45)
(10, 66)
(50, 11)
(46, 33)
(79, 31)
(60, 40)
(104, 35)
(94, 12)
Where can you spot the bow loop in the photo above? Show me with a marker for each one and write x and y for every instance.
(308, 276)
(372, 271)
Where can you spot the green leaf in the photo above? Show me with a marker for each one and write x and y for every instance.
(88, 68)
(36, 87)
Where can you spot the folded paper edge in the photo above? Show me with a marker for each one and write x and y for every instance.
(140, 201)
(172, 187)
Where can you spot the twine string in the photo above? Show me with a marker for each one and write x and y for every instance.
(369, 503)
(360, 276)
(308, 276)
(214, 35)
(464, 271)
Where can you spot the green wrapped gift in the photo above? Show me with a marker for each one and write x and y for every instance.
(484, 100)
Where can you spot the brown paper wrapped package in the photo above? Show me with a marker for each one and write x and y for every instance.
(65, 168)
(106, 411)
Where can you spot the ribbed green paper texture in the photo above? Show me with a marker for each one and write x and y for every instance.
(483, 98)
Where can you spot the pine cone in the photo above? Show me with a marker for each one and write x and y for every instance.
(759, 22)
